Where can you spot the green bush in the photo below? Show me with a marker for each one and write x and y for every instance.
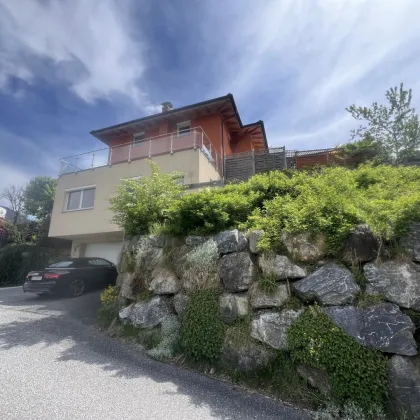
(109, 309)
(142, 203)
(358, 374)
(331, 201)
(334, 200)
(202, 329)
(210, 211)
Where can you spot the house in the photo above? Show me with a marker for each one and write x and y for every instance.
(193, 140)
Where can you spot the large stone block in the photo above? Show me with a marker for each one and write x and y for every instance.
(233, 307)
(360, 246)
(237, 271)
(261, 299)
(412, 242)
(254, 238)
(383, 327)
(231, 241)
(398, 282)
(194, 240)
(331, 284)
(246, 356)
(271, 327)
(181, 301)
(126, 281)
(146, 314)
(303, 247)
(404, 386)
(164, 282)
(281, 267)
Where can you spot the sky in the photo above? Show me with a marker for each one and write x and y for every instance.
(70, 66)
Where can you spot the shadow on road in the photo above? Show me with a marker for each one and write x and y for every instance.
(58, 319)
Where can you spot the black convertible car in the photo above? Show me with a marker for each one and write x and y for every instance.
(71, 277)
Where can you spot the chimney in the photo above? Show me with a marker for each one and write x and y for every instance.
(166, 106)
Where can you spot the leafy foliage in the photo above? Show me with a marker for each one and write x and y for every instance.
(39, 197)
(367, 149)
(358, 374)
(109, 308)
(142, 203)
(332, 202)
(202, 329)
(350, 411)
(109, 295)
(395, 127)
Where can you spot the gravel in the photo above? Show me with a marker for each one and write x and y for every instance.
(55, 364)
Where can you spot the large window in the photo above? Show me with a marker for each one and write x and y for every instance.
(80, 199)
(183, 128)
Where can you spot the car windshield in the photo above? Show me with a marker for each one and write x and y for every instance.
(62, 264)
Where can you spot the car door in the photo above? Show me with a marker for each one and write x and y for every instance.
(100, 271)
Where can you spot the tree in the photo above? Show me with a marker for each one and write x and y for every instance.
(16, 198)
(39, 197)
(365, 150)
(395, 126)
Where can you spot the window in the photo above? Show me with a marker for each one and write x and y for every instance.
(138, 138)
(80, 199)
(183, 128)
(62, 264)
(99, 262)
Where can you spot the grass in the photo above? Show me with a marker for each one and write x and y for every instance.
(281, 380)
(267, 283)
(365, 300)
(240, 332)
(293, 303)
(359, 276)
(106, 314)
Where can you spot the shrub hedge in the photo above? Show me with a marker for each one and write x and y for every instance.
(330, 200)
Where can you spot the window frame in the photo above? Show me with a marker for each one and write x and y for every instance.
(180, 125)
(81, 189)
(134, 142)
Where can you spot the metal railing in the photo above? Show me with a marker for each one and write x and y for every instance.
(171, 143)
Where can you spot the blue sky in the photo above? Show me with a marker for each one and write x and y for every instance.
(70, 66)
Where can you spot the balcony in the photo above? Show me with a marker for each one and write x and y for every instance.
(170, 143)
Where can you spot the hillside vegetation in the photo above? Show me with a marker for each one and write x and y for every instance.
(329, 200)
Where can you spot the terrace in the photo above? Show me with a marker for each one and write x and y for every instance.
(147, 148)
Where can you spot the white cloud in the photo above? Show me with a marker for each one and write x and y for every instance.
(89, 43)
(297, 64)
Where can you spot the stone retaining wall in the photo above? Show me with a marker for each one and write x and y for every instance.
(163, 271)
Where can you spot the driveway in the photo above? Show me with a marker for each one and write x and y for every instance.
(55, 364)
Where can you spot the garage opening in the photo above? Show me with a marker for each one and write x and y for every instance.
(108, 250)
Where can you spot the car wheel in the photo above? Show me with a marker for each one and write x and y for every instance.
(77, 287)
(42, 294)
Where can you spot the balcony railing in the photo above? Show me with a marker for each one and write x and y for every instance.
(196, 138)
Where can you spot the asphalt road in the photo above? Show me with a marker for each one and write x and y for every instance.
(55, 364)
